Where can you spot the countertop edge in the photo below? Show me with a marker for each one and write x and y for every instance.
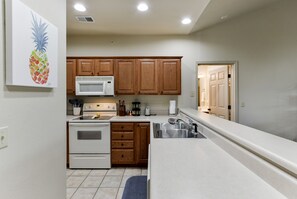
(255, 140)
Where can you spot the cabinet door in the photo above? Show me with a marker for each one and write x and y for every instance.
(142, 134)
(125, 76)
(147, 72)
(71, 73)
(85, 67)
(104, 67)
(170, 76)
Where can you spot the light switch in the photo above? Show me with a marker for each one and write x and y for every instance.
(242, 104)
(3, 137)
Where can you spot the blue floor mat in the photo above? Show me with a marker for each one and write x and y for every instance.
(135, 188)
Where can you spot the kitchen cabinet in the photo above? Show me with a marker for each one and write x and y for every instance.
(147, 75)
(70, 76)
(103, 67)
(142, 135)
(122, 143)
(85, 67)
(129, 143)
(125, 81)
(98, 67)
(132, 75)
(170, 76)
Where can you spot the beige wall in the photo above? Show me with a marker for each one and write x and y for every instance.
(33, 164)
(263, 42)
(265, 45)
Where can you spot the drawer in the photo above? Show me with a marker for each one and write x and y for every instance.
(122, 156)
(122, 135)
(122, 126)
(122, 144)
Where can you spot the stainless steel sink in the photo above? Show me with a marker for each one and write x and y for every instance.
(166, 130)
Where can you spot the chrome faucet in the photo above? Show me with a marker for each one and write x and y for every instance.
(191, 126)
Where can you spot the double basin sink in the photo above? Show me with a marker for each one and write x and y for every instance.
(167, 130)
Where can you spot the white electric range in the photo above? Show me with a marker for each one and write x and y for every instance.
(89, 136)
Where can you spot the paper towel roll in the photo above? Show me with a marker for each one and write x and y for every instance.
(172, 107)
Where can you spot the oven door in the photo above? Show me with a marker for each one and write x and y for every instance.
(89, 138)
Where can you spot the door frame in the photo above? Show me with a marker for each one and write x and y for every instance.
(234, 87)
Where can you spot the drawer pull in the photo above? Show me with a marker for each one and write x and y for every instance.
(122, 136)
(122, 156)
(122, 144)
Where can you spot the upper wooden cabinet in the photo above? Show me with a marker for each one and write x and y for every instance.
(170, 76)
(70, 76)
(98, 67)
(85, 67)
(132, 75)
(104, 67)
(125, 76)
(147, 76)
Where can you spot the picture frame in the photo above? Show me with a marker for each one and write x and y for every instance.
(31, 47)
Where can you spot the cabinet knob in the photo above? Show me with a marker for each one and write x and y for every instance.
(122, 127)
(122, 136)
(122, 156)
(122, 144)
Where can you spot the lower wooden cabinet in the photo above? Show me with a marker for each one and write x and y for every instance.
(129, 143)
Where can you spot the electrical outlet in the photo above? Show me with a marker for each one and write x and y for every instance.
(3, 137)
(192, 94)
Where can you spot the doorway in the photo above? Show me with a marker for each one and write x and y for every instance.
(217, 89)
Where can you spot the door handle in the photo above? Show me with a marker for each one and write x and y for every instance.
(209, 109)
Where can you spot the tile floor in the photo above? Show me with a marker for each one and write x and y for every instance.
(97, 184)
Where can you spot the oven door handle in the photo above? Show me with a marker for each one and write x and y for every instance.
(89, 124)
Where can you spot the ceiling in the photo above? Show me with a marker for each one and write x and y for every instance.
(121, 17)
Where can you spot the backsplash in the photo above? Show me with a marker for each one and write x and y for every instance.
(159, 104)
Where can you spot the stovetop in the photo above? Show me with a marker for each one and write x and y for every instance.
(93, 118)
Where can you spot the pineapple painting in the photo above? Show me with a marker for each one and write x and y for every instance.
(39, 65)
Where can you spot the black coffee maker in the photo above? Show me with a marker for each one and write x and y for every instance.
(136, 108)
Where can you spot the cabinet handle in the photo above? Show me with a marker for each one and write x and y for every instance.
(122, 156)
(122, 136)
(122, 127)
(122, 144)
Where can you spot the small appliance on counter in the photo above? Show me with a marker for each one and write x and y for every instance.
(122, 108)
(136, 108)
(147, 111)
(172, 107)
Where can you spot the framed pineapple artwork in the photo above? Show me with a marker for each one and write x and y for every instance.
(31, 47)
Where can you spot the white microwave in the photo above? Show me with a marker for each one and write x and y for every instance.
(94, 85)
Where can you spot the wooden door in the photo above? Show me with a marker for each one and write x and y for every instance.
(70, 76)
(125, 79)
(147, 72)
(170, 77)
(85, 67)
(218, 93)
(104, 67)
(142, 135)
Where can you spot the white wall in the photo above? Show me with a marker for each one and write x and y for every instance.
(33, 164)
(264, 42)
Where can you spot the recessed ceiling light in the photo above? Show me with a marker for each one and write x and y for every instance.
(142, 7)
(224, 17)
(186, 21)
(79, 7)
